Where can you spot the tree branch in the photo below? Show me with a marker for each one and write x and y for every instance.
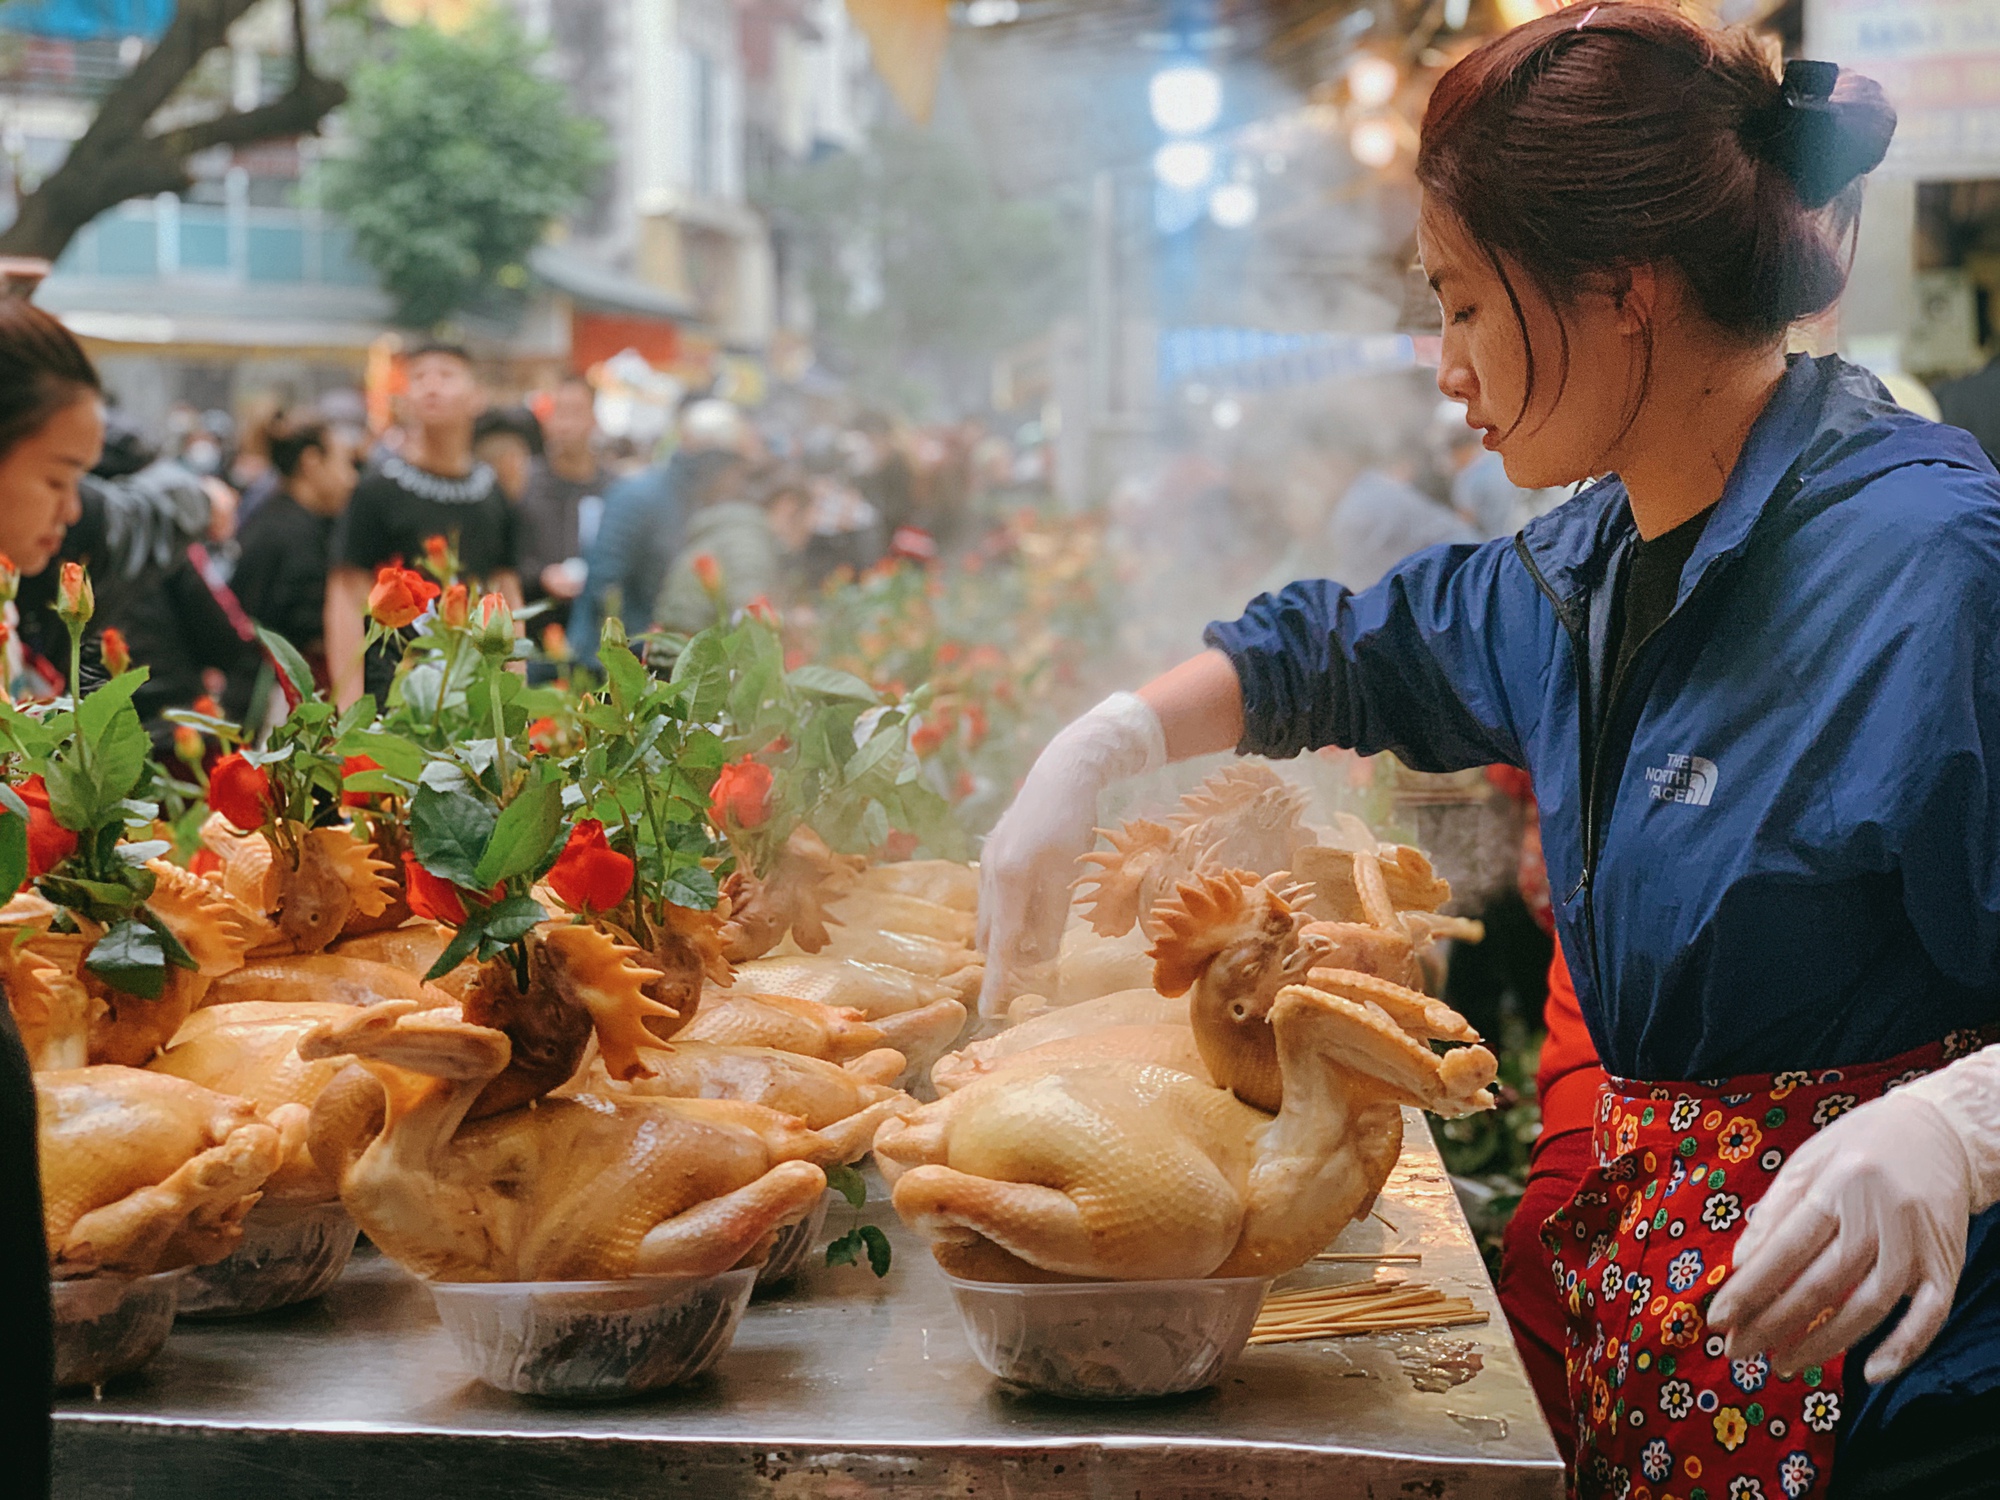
(116, 159)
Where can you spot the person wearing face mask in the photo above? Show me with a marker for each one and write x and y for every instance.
(1752, 671)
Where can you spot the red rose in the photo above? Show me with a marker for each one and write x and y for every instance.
(240, 791)
(208, 706)
(399, 596)
(590, 875)
(49, 843)
(430, 895)
(542, 737)
(741, 797)
(354, 765)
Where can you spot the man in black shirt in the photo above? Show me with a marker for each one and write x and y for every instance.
(286, 545)
(560, 510)
(435, 488)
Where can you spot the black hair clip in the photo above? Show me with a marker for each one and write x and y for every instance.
(1808, 83)
(1810, 138)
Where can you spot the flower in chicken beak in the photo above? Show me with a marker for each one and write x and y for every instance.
(590, 875)
(240, 791)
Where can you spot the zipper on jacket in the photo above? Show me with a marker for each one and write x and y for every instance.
(1587, 731)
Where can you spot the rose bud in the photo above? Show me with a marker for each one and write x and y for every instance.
(10, 579)
(116, 654)
(189, 747)
(496, 626)
(542, 736)
(430, 896)
(555, 643)
(741, 796)
(437, 554)
(208, 707)
(708, 573)
(354, 765)
(455, 607)
(76, 602)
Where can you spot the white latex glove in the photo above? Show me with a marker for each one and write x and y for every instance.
(1029, 862)
(1871, 1210)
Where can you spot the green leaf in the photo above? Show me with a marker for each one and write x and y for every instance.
(290, 663)
(813, 678)
(130, 957)
(691, 886)
(394, 754)
(883, 747)
(849, 1183)
(874, 823)
(459, 949)
(360, 714)
(623, 674)
(522, 835)
(845, 1250)
(513, 919)
(176, 951)
(13, 851)
(99, 708)
(449, 833)
(878, 1249)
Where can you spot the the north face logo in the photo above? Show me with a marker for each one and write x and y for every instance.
(1684, 778)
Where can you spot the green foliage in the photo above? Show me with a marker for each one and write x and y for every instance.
(920, 272)
(465, 155)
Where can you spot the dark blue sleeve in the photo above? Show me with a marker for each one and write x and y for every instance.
(1411, 666)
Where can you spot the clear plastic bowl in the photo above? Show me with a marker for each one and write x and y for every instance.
(287, 1255)
(593, 1340)
(107, 1326)
(1109, 1340)
(795, 1243)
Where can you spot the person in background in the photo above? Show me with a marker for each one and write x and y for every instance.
(252, 474)
(729, 556)
(644, 519)
(564, 504)
(435, 487)
(508, 440)
(881, 473)
(1382, 519)
(285, 547)
(1972, 402)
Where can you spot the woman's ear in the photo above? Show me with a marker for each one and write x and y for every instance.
(1638, 302)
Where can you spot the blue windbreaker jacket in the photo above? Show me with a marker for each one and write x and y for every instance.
(1797, 864)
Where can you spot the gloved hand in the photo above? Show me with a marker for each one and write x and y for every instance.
(1871, 1210)
(1029, 862)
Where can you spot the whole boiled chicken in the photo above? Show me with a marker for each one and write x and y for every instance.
(142, 1172)
(573, 1188)
(1102, 1168)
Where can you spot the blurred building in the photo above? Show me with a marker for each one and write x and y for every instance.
(243, 285)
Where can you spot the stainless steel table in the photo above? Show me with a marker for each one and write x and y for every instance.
(844, 1387)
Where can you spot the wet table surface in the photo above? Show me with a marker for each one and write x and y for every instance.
(836, 1386)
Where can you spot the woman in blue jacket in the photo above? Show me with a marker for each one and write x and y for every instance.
(1753, 676)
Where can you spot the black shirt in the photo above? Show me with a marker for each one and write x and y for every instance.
(1647, 590)
(280, 577)
(549, 521)
(398, 507)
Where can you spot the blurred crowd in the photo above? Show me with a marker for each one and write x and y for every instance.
(304, 505)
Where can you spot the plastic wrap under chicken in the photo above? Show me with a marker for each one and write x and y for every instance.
(1071, 1160)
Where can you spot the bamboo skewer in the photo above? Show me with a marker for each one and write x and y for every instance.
(1359, 1307)
(1356, 1257)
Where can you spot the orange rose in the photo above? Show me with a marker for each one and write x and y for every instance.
(708, 573)
(116, 654)
(10, 579)
(455, 607)
(399, 596)
(741, 796)
(75, 601)
(542, 735)
(189, 745)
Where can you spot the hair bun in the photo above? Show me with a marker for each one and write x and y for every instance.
(1825, 128)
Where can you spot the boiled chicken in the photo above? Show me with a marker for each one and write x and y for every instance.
(844, 1104)
(1138, 1016)
(582, 1187)
(335, 977)
(142, 1172)
(249, 1049)
(413, 947)
(790, 899)
(834, 1033)
(1106, 1168)
(876, 990)
(936, 880)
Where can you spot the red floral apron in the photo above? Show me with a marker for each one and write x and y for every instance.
(1662, 1413)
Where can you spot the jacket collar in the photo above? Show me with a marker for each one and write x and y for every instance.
(1826, 419)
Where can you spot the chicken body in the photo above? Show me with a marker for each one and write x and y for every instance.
(142, 1172)
(582, 1187)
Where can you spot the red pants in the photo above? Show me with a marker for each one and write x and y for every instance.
(1527, 1290)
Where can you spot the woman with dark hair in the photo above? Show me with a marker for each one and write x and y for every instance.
(1752, 670)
